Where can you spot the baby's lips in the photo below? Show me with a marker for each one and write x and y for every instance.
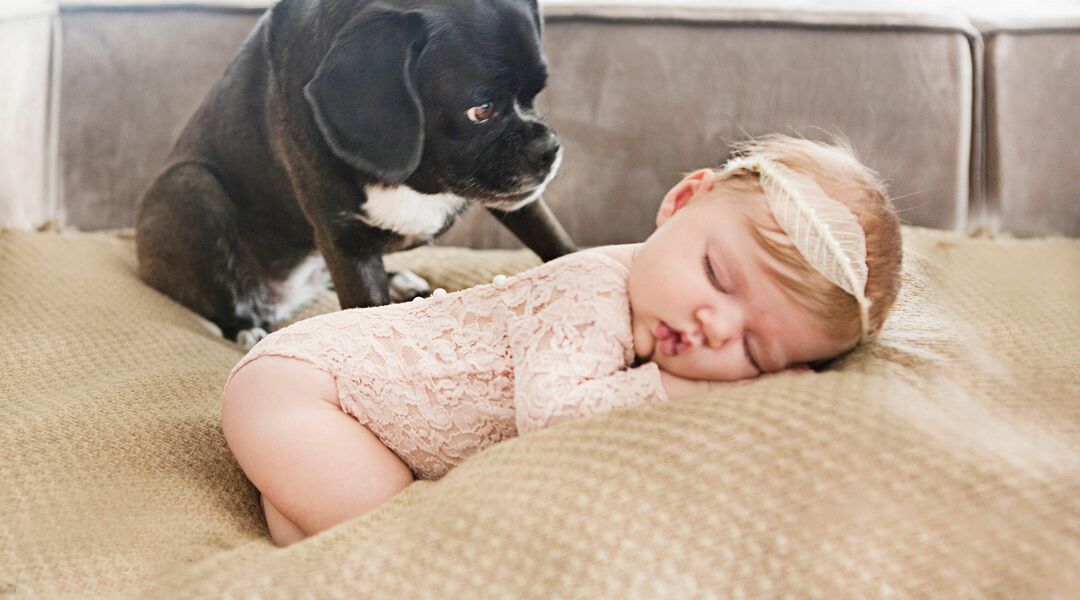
(668, 346)
(684, 344)
(671, 342)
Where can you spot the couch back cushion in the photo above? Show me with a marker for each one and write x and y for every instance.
(639, 95)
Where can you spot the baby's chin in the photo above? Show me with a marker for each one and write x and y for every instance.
(643, 341)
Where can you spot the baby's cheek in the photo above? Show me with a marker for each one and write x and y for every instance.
(702, 365)
(797, 370)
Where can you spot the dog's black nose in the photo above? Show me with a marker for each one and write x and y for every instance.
(542, 151)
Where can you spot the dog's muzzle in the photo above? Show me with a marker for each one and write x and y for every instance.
(515, 200)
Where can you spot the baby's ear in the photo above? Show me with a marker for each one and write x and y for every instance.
(698, 182)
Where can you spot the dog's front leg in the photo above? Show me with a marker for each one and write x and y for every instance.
(537, 228)
(353, 256)
(360, 281)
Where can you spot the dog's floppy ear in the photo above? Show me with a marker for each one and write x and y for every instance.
(364, 94)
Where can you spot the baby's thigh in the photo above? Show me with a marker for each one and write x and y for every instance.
(315, 463)
(281, 382)
(264, 391)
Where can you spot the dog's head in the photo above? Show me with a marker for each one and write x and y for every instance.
(440, 95)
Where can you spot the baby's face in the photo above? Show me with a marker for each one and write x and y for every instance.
(703, 307)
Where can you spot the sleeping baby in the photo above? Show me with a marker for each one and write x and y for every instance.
(786, 257)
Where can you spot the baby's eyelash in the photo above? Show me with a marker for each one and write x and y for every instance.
(712, 275)
(750, 355)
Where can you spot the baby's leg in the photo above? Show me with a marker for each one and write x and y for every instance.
(282, 530)
(315, 465)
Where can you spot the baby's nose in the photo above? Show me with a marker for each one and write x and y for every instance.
(719, 325)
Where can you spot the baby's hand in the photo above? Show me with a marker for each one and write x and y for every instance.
(679, 387)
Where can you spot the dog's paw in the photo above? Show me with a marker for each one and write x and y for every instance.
(406, 285)
(249, 337)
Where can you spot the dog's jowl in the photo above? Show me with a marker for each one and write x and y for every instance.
(345, 129)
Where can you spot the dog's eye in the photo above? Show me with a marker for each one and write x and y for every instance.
(480, 114)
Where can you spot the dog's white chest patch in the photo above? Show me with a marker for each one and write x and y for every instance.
(302, 285)
(408, 212)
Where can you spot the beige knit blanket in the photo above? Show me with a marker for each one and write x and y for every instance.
(942, 460)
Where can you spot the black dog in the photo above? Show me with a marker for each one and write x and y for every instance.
(345, 129)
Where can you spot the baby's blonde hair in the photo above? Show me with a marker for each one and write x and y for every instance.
(840, 174)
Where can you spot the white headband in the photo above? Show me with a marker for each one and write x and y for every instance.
(825, 232)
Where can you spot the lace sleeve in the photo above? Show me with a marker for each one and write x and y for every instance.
(570, 351)
(553, 398)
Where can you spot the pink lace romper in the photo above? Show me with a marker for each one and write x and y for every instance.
(440, 379)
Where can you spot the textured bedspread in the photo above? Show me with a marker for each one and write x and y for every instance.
(942, 460)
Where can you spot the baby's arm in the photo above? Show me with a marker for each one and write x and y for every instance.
(569, 363)
(549, 398)
(543, 399)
